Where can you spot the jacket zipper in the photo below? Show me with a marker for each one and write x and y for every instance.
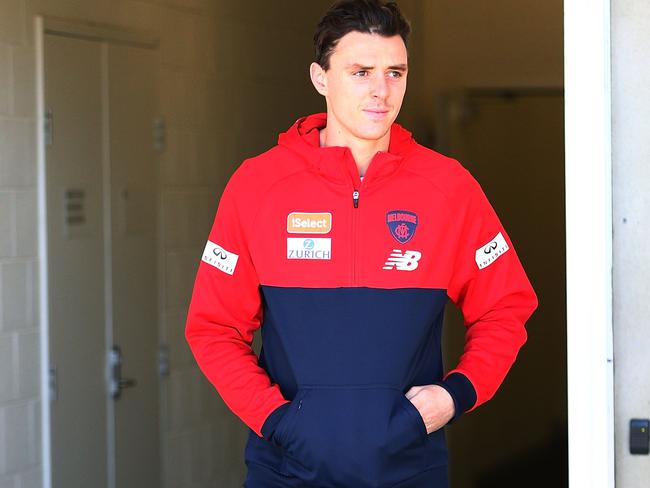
(355, 232)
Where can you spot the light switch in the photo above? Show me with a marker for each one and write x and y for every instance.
(639, 436)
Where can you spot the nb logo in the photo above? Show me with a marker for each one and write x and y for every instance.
(407, 261)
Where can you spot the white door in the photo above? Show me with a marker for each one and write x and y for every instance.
(134, 250)
(76, 264)
(102, 248)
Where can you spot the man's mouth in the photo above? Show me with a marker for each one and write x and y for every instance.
(376, 113)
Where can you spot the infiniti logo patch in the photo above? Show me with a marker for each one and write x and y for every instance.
(490, 252)
(217, 256)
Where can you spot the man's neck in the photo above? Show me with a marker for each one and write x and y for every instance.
(362, 150)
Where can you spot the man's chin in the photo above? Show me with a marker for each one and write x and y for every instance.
(374, 132)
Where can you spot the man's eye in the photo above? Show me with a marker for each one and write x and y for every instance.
(361, 73)
(395, 74)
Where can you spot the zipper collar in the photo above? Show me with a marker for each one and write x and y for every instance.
(336, 162)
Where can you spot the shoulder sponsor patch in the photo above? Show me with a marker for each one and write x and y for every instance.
(309, 223)
(308, 248)
(491, 251)
(217, 256)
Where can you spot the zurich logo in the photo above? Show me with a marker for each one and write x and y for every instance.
(402, 225)
(308, 244)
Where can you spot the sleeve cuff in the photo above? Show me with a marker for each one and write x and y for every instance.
(462, 392)
(271, 422)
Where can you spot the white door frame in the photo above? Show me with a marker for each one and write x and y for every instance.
(589, 243)
(82, 30)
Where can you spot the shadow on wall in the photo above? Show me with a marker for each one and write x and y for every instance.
(532, 465)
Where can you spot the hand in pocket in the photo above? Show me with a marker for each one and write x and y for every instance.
(434, 403)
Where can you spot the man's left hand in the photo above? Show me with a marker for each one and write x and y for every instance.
(434, 404)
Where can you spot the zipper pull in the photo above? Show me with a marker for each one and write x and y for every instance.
(355, 198)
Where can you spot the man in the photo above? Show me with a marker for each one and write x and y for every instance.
(343, 243)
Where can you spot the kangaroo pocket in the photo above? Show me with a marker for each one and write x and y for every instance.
(356, 436)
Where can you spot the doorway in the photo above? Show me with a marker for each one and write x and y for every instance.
(511, 139)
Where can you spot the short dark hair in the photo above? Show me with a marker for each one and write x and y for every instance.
(367, 16)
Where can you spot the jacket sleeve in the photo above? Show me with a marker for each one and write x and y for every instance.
(489, 286)
(224, 313)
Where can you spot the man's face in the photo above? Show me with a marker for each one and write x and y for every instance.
(365, 85)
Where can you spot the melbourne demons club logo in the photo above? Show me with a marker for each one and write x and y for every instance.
(402, 225)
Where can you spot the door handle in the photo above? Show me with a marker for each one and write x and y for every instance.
(117, 383)
(127, 383)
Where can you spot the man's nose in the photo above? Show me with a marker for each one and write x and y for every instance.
(379, 86)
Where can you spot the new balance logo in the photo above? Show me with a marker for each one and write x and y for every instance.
(407, 261)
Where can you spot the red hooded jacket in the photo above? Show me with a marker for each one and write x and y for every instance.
(348, 279)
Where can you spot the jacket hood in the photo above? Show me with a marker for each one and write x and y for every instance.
(302, 138)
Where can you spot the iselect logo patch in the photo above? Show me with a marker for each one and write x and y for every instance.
(307, 248)
(491, 251)
(217, 256)
(309, 223)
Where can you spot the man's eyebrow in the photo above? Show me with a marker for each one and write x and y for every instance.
(358, 66)
(400, 67)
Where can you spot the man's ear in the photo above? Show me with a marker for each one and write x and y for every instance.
(318, 78)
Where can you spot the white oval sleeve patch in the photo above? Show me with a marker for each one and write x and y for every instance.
(490, 252)
(217, 256)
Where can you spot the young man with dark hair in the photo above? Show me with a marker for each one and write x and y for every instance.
(343, 243)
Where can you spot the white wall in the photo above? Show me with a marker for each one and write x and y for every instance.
(194, 88)
(631, 179)
(19, 383)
